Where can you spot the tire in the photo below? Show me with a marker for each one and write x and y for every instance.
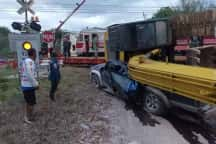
(154, 104)
(96, 81)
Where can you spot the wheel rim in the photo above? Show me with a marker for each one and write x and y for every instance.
(152, 102)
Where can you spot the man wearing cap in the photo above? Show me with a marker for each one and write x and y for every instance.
(29, 83)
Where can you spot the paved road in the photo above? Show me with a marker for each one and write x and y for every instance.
(141, 128)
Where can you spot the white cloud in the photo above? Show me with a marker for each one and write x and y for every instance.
(94, 13)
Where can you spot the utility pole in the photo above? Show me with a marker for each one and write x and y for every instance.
(78, 5)
(71, 14)
(26, 14)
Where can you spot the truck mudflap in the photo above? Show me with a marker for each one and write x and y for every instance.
(192, 82)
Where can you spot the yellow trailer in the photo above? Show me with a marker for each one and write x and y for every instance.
(192, 82)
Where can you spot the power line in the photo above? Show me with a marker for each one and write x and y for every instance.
(104, 2)
(61, 10)
(93, 7)
(83, 12)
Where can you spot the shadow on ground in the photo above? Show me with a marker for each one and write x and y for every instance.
(187, 124)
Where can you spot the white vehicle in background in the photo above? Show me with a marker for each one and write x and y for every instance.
(84, 44)
(72, 36)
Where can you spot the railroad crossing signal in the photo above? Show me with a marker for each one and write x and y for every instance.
(27, 45)
(26, 6)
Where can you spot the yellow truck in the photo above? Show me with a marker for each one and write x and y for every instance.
(164, 84)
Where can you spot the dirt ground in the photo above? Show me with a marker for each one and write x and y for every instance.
(78, 116)
(86, 115)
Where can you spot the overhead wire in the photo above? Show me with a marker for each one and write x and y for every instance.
(96, 9)
(104, 8)
(84, 10)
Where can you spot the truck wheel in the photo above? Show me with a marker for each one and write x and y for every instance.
(96, 81)
(154, 104)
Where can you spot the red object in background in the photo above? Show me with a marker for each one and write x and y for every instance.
(209, 40)
(13, 64)
(48, 36)
(100, 44)
(3, 62)
(183, 41)
(79, 45)
(50, 50)
(84, 60)
(182, 44)
(181, 47)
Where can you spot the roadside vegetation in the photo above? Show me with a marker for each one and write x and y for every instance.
(9, 85)
(4, 43)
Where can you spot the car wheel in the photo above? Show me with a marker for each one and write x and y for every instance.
(154, 104)
(96, 81)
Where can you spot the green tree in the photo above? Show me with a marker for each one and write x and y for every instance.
(165, 12)
(4, 43)
(185, 6)
(58, 34)
(4, 30)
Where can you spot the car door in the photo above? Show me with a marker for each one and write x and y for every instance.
(119, 79)
(106, 75)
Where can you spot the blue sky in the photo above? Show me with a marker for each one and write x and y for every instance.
(100, 13)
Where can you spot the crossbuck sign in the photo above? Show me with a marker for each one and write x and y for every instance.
(26, 6)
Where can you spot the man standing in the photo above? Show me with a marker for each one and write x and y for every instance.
(94, 44)
(29, 83)
(67, 47)
(87, 44)
(54, 75)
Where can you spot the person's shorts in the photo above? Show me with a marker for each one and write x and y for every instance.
(30, 97)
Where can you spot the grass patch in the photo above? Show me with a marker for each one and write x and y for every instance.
(7, 71)
(45, 84)
(9, 88)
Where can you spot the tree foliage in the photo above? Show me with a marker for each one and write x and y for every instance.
(4, 30)
(165, 12)
(4, 43)
(185, 6)
(59, 34)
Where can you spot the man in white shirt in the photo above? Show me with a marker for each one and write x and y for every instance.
(29, 83)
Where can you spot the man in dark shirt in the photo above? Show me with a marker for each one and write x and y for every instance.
(67, 47)
(54, 75)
